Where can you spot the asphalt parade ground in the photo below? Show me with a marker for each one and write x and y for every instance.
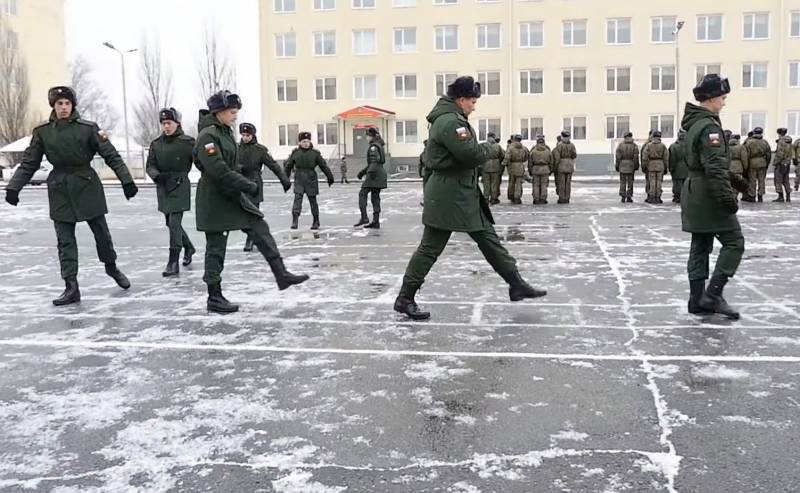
(605, 385)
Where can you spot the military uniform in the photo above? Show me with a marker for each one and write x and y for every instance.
(304, 163)
(654, 163)
(626, 164)
(782, 161)
(343, 171)
(540, 167)
(737, 158)
(678, 168)
(516, 161)
(796, 162)
(493, 171)
(758, 158)
(374, 176)
(74, 190)
(564, 156)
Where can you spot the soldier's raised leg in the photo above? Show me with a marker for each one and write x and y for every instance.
(68, 259)
(105, 250)
(430, 247)
(259, 231)
(504, 264)
(216, 247)
(297, 208)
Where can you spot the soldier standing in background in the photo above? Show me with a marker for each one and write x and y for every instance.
(492, 170)
(375, 181)
(540, 167)
(626, 164)
(343, 170)
(169, 161)
(641, 157)
(738, 158)
(782, 160)
(304, 161)
(516, 161)
(758, 157)
(677, 165)
(74, 190)
(564, 156)
(796, 161)
(654, 160)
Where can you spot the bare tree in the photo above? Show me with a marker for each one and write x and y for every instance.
(93, 102)
(157, 82)
(15, 91)
(215, 67)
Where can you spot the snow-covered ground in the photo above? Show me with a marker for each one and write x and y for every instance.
(604, 385)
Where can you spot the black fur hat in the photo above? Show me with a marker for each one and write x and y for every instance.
(247, 128)
(170, 114)
(61, 92)
(304, 136)
(464, 87)
(712, 86)
(223, 100)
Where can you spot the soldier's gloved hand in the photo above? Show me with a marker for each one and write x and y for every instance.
(738, 183)
(286, 186)
(360, 175)
(130, 190)
(730, 205)
(12, 197)
(160, 179)
(252, 189)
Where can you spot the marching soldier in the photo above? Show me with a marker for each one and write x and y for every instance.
(677, 165)
(169, 162)
(252, 158)
(454, 155)
(738, 158)
(516, 161)
(375, 181)
(564, 156)
(540, 167)
(223, 201)
(343, 171)
(708, 208)
(654, 160)
(796, 162)
(493, 170)
(758, 157)
(74, 190)
(304, 161)
(626, 164)
(782, 161)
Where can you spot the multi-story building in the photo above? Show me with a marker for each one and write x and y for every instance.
(596, 67)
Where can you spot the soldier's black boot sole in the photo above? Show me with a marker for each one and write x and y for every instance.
(408, 307)
(217, 303)
(70, 295)
(120, 278)
(172, 268)
(248, 245)
(364, 220)
(283, 277)
(187, 256)
(519, 290)
(712, 300)
(295, 220)
(376, 222)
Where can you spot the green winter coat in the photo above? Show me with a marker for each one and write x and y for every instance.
(678, 167)
(759, 153)
(564, 156)
(172, 156)
(374, 174)
(655, 157)
(223, 194)
(494, 157)
(74, 190)
(541, 161)
(304, 162)
(627, 157)
(453, 201)
(738, 156)
(783, 150)
(708, 186)
(252, 158)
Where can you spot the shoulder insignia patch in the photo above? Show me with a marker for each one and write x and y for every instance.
(714, 140)
(462, 134)
(211, 149)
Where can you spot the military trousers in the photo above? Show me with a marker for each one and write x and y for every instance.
(540, 184)
(782, 182)
(177, 235)
(344, 178)
(491, 184)
(515, 187)
(655, 180)
(217, 245)
(564, 186)
(757, 178)
(730, 256)
(433, 242)
(626, 185)
(677, 186)
(797, 176)
(297, 206)
(375, 198)
(68, 244)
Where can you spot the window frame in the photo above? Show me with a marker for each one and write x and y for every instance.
(660, 69)
(529, 35)
(753, 73)
(444, 38)
(285, 90)
(754, 14)
(403, 76)
(324, 78)
(707, 29)
(616, 21)
(572, 32)
(572, 80)
(616, 79)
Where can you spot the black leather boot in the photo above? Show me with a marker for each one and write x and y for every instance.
(788, 197)
(761, 198)
(187, 256)
(248, 245)
(217, 303)
(376, 221)
(71, 293)
(712, 300)
(519, 290)
(283, 277)
(780, 198)
(172, 265)
(405, 304)
(696, 289)
(315, 223)
(364, 219)
(119, 277)
(295, 219)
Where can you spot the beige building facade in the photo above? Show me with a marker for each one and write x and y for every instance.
(596, 67)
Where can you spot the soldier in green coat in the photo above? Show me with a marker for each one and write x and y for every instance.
(169, 161)
(655, 159)
(564, 156)
(539, 168)
(626, 164)
(708, 201)
(304, 161)
(453, 201)
(224, 200)
(759, 155)
(73, 188)
(252, 158)
(782, 160)
(492, 170)
(677, 166)
(516, 161)
(796, 162)
(738, 158)
(374, 176)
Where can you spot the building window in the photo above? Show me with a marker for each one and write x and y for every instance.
(709, 27)
(325, 88)
(405, 132)
(399, 4)
(793, 122)
(445, 2)
(617, 126)
(324, 4)
(794, 30)
(488, 126)
(574, 32)
(794, 74)
(618, 31)
(662, 29)
(488, 37)
(756, 25)
(405, 86)
(287, 134)
(364, 42)
(574, 80)
(531, 82)
(618, 79)
(576, 126)
(705, 69)
(327, 133)
(446, 38)
(444, 80)
(365, 87)
(287, 90)
(662, 78)
(285, 5)
(753, 119)
(664, 123)
(325, 43)
(754, 75)
(531, 34)
(405, 39)
(363, 4)
(490, 83)
(530, 127)
(285, 45)
(8, 7)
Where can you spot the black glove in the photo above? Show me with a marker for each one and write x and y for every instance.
(160, 178)
(360, 175)
(12, 197)
(738, 183)
(286, 186)
(130, 190)
(730, 205)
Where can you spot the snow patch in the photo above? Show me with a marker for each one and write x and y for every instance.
(301, 482)
(719, 372)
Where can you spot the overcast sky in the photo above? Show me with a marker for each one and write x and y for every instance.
(178, 25)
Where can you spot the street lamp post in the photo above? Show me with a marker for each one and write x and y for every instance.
(676, 32)
(124, 101)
